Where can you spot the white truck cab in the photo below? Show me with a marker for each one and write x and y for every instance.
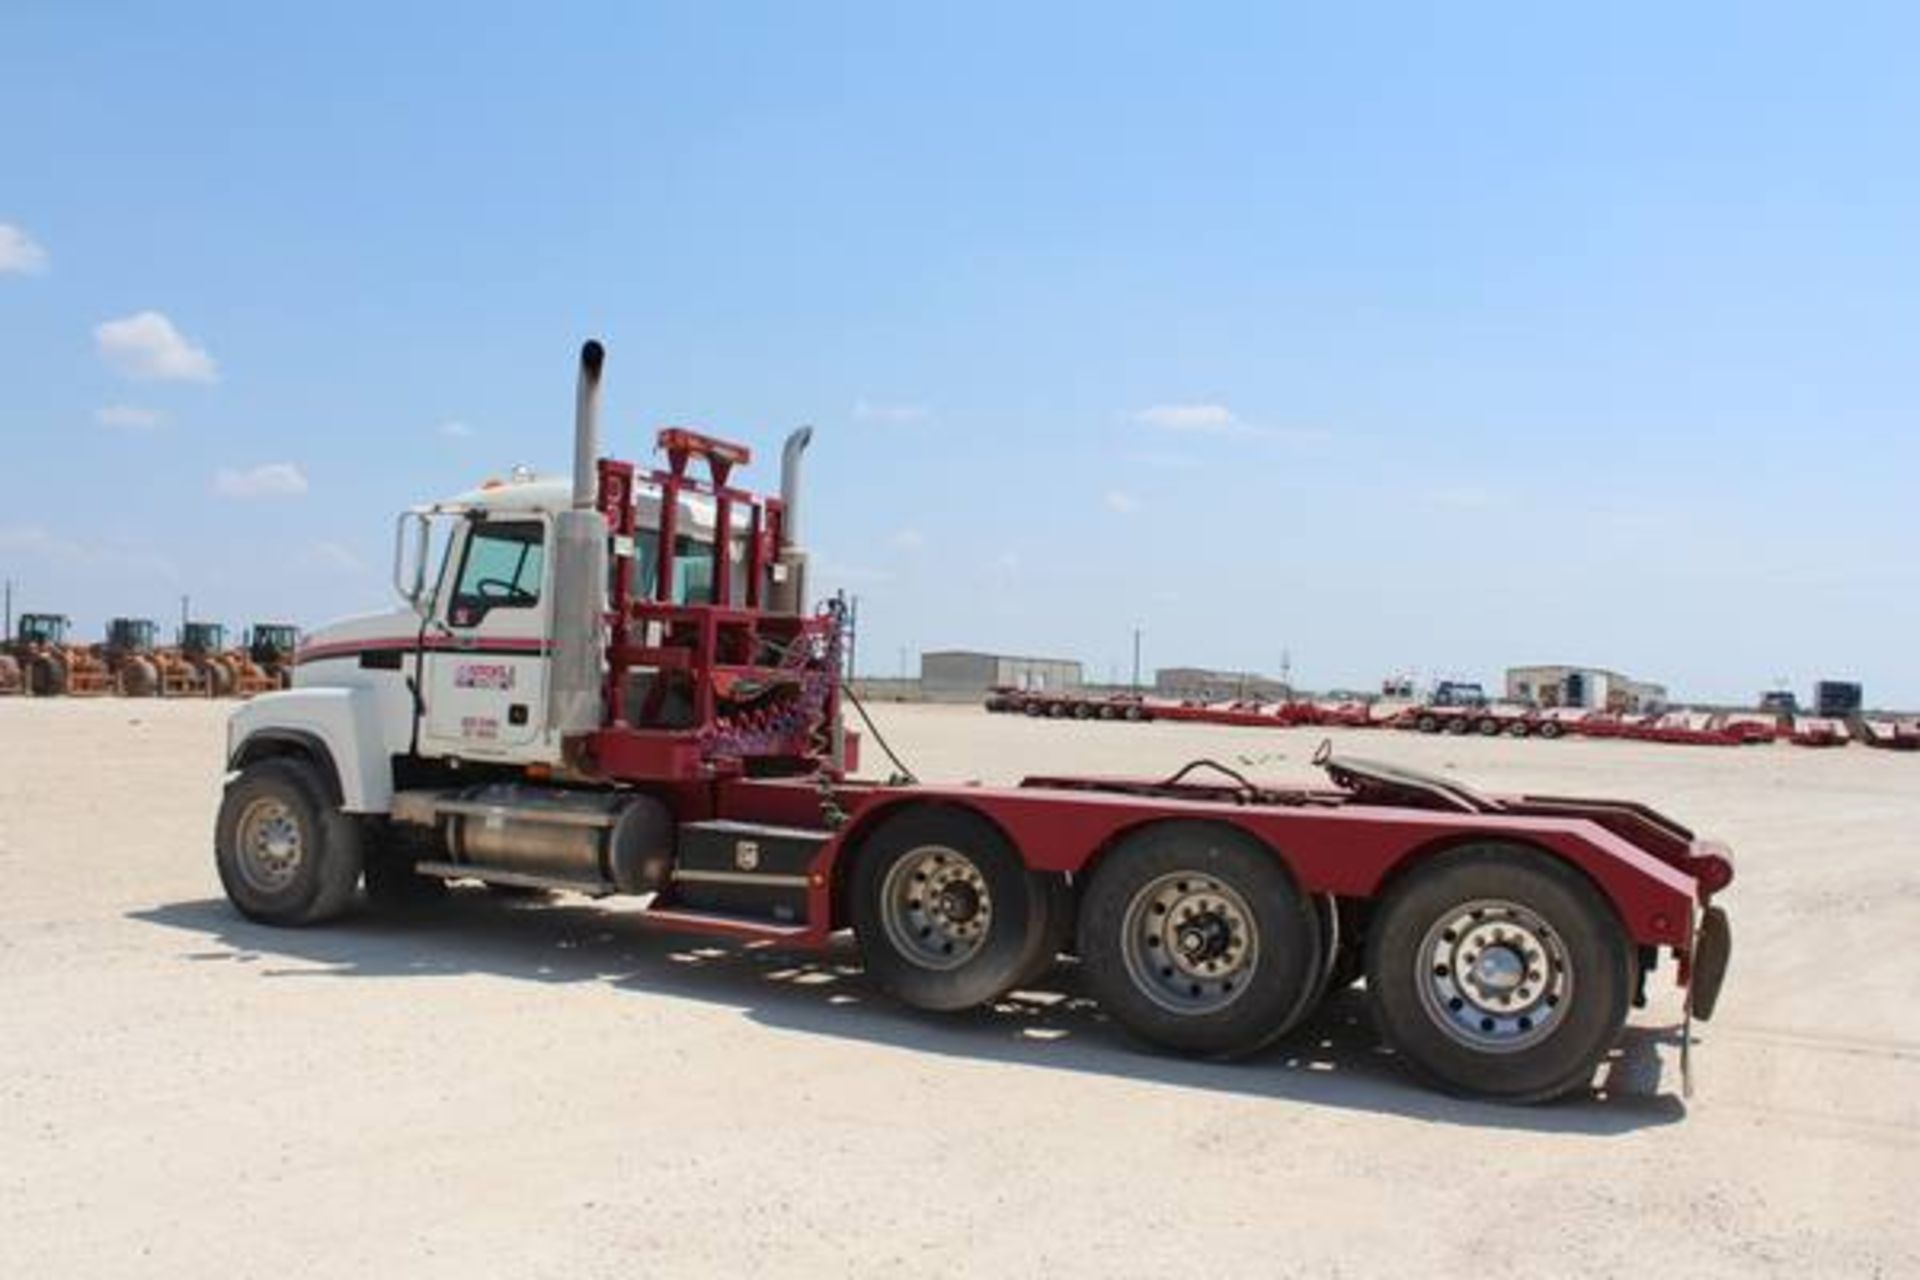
(460, 671)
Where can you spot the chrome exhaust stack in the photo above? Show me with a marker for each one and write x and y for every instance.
(789, 593)
(579, 572)
(586, 426)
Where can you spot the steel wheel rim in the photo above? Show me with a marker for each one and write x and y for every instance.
(1494, 976)
(935, 907)
(270, 844)
(1190, 943)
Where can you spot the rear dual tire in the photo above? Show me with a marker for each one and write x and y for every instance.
(947, 915)
(1194, 938)
(1498, 972)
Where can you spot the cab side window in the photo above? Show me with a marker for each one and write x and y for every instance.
(503, 566)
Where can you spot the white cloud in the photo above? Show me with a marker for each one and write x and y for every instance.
(268, 480)
(453, 429)
(1219, 420)
(1122, 502)
(31, 542)
(20, 253)
(336, 557)
(828, 569)
(132, 417)
(1197, 419)
(147, 346)
(892, 414)
(909, 540)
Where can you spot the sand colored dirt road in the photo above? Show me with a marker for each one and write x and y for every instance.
(505, 1089)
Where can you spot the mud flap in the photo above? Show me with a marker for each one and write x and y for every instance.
(1712, 948)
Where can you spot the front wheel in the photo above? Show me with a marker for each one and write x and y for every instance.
(137, 678)
(221, 681)
(47, 676)
(1498, 972)
(947, 915)
(285, 854)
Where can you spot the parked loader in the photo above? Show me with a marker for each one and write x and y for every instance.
(202, 650)
(129, 657)
(270, 646)
(49, 667)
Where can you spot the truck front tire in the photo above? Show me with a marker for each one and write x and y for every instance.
(285, 853)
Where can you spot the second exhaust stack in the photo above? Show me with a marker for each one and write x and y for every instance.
(789, 594)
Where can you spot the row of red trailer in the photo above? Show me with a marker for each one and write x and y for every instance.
(1687, 728)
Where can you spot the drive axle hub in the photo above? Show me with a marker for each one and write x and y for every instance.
(935, 907)
(1190, 942)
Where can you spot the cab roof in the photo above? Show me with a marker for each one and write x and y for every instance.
(532, 494)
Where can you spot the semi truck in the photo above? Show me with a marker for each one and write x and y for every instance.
(616, 683)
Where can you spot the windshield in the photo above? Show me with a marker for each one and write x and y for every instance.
(131, 633)
(204, 635)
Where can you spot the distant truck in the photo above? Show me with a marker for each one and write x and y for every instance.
(1458, 693)
(1837, 698)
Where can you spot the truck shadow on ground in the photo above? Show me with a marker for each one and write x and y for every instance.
(1333, 1060)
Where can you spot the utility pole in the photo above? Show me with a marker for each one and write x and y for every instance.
(8, 633)
(184, 602)
(1136, 659)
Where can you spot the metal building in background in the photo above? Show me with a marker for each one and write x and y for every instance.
(963, 673)
(1593, 687)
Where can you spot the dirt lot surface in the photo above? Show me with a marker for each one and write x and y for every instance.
(505, 1089)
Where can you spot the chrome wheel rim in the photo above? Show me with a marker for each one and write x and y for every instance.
(1494, 976)
(1190, 943)
(935, 907)
(270, 845)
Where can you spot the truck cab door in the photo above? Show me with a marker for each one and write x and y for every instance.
(483, 652)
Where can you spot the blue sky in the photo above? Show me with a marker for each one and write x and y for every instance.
(1420, 338)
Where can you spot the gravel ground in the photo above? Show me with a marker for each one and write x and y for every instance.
(505, 1088)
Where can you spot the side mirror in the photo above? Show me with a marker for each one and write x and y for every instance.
(410, 558)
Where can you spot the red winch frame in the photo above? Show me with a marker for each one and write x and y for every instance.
(745, 713)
